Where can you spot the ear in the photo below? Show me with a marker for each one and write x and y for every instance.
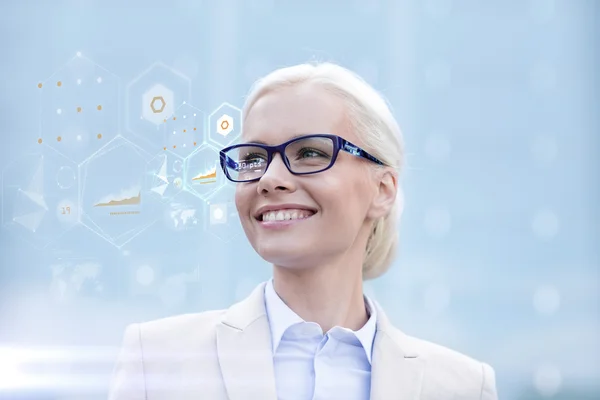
(385, 195)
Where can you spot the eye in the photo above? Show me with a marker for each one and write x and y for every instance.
(307, 152)
(253, 157)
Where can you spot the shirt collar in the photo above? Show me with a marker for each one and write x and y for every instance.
(281, 317)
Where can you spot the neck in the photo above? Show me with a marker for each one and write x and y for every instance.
(329, 295)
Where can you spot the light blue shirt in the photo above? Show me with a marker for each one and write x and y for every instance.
(312, 366)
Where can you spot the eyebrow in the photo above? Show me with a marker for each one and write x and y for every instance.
(265, 143)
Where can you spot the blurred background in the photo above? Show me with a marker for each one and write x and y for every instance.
(113, 114)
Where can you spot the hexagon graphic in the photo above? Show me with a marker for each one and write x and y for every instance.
(203, 172)
(152, 98)
(40, 197)
(165, 176)
(157, 104)
(115, 199)
(224, 125)
(184, 130)
(79, 108)
(221, 218)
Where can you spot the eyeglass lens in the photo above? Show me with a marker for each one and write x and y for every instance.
(306, 155)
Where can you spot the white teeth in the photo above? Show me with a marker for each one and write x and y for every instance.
(286, 215)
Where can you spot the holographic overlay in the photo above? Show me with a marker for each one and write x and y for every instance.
(79, 108)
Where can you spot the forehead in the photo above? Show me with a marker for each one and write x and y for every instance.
(292, 111)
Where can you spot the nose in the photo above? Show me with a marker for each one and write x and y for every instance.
(277, 178)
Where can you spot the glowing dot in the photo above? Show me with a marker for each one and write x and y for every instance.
(40, 85)
(59, 139)
(99, 107)
(78, 109)
(546, 300)
(547, 380)
(79, 138)
(78, 54)
(79, 81)
(145, 275)
(185, 116)
(194, 114)
(218, 213)
(59, 83)
(40, 140)
(99, 80)
(174, 132)
(99, 136)
(184, 145)
(545, 224)
(59, 111)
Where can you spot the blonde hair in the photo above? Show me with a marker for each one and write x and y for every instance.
(371, 118)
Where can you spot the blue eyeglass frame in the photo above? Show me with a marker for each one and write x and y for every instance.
(338, 144)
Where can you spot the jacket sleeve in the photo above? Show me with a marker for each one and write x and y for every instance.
(488, 387)
(128, 380)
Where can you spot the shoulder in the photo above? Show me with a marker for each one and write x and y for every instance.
(204, 321)
(448, 372)
(187, 331)
(445, 358)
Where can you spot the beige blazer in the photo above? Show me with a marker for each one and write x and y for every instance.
(227, 354)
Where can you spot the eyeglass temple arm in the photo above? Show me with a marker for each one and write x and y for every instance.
(357, 151)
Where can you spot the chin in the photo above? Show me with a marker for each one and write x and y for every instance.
(284, 253)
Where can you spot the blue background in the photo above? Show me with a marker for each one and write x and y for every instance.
(499, 104)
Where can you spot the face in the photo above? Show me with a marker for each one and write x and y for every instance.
(338, 204)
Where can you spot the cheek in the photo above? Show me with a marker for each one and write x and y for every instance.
(242, 200)
(345, 198)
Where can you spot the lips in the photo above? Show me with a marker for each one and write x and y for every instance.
(282, 207)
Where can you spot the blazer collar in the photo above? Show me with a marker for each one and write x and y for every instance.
(397, 370)
(245, 354)
(244, 350)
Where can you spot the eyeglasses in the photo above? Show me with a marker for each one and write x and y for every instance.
(303, 155)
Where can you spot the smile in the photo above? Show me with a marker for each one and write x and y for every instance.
(285, 215)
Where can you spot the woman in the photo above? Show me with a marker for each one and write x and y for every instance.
(317, 195)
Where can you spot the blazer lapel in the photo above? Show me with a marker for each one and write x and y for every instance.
(244, 349)
(397, 370)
